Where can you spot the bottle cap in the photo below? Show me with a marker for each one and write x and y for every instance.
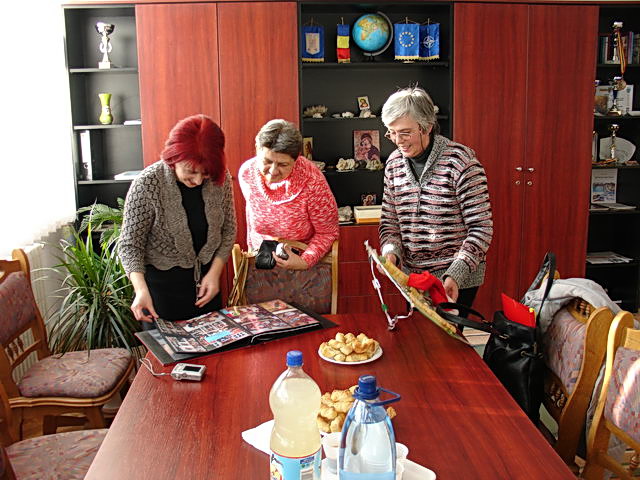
(294, 358)
(367, 388)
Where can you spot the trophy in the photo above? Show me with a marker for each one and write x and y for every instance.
(619, 56)
(104, 29)
(615, 86)
(613, 128)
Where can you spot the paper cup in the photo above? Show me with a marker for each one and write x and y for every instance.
(331, 447)
(399, 469)
(402, 451)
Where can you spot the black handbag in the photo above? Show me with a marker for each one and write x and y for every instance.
(264, 257)
(513, 351)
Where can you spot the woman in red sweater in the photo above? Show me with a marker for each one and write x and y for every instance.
(287, 196)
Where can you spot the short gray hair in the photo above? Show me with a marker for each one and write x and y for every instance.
(413, 102)
(280, 136)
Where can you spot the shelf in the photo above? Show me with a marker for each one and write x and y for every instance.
(619, 167)
(611, 118)
(342, 119)
(611, 265)
(102, 182)
(615, 65)
(104, 70)
(374, 64)
(614, 212)
(104, 127)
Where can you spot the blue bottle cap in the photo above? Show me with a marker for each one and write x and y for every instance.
(367, 388)
(294, 358)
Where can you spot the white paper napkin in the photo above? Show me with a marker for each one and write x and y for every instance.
(259, 436)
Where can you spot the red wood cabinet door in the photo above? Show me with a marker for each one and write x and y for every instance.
(562, 62)
(258, 77)
(489, 116)
(178, 68)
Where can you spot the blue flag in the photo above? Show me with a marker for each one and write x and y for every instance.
(430, 41)
(406, 41)
(313, 43)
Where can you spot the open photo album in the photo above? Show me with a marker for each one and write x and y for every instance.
(228, 328)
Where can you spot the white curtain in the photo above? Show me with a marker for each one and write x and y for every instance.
(36, 176)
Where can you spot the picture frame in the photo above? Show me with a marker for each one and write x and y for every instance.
(363, 103)
(307, 148)
(368, 199)
(366, 145)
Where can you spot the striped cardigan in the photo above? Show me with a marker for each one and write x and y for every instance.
(442, 223)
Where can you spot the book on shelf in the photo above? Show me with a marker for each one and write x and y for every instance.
(136, 121)
(128, 175)
(228, 328)
(599, 258)
(604, 183)
(611, 206)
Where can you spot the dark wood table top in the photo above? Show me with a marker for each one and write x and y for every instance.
(455, 417)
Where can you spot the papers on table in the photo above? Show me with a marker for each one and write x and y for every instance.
(597, 258)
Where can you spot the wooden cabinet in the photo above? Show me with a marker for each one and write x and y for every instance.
(523, 98)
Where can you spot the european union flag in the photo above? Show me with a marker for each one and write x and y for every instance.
(406, 41)
(313, 43)
(430, 41)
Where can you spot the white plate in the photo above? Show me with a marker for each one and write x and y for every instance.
(624, 149)
(375, 356)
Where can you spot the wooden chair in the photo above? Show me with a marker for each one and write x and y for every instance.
(618, 409)
(63, 455)
(574, 348)
(254, 286)
(76, 382)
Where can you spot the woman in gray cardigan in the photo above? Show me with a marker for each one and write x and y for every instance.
(180, 225)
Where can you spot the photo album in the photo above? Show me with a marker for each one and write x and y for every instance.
(227, 328)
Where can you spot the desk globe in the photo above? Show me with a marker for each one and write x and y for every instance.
(373, 33)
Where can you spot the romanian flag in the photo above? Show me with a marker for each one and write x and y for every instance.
(313, 43)
(406, 41)
(344, 54)
(430, 41)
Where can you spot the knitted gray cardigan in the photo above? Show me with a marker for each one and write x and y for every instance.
(155, 229)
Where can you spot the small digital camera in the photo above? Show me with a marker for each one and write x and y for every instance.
(188, 371)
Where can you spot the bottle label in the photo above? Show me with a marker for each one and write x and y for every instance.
(295, 468)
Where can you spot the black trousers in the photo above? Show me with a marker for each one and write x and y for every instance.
(466, 296)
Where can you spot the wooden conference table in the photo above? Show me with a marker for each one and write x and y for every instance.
(455, 417)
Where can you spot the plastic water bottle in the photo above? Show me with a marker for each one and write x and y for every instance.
(368, 445)
(295, 438)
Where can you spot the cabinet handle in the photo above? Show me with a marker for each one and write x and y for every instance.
(529, 183)
(517, 182)
(518, 169)
(531, 169)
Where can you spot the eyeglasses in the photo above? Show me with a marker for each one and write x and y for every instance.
(395, 137)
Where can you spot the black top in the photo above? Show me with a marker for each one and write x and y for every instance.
(193, 204)
(417, 164)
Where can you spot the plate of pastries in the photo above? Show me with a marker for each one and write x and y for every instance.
(350, 349)
(334, 407)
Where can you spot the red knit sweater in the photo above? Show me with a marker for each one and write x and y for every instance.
(301, 207)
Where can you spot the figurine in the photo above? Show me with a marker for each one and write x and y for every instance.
(315, 111)
(345, 214)
(347, 115)
(347, 165)
(366, 114)
(374, 164)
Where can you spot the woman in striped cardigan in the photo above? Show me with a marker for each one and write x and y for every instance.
(436, 214)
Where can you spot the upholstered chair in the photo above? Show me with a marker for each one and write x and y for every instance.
(63, 455)
(76, 382)
(618, 410)
(574, 348)
(315, 289)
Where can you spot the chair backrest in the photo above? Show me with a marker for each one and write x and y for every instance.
(574, 348)
(618, 407)
(316, 288)
(19, 314)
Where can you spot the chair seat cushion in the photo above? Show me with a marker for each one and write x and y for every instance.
(76, 374)
(622, 407)
(563, 346)
(63, 455)
(308, 288)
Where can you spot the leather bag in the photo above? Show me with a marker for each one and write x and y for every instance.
(513, 351)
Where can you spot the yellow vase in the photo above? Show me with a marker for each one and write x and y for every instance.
(106, 118)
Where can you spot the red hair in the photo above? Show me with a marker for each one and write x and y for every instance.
(199, 141)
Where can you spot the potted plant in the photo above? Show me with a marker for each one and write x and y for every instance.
(95, 294)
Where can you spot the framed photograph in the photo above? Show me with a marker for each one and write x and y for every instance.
(307, 148)
(363, 103)
(366, 145)
(368, 199)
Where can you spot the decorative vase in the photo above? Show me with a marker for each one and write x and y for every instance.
(106, 118)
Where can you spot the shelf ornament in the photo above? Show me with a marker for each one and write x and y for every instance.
(106, 116)
(429, 41)
(105, 29)
(407, 41)
(342, 50)
(312, 42)
(619, 56)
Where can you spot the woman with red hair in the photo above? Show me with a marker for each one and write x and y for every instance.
(179, 225)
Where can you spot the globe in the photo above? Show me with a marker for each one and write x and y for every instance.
(373, 32)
